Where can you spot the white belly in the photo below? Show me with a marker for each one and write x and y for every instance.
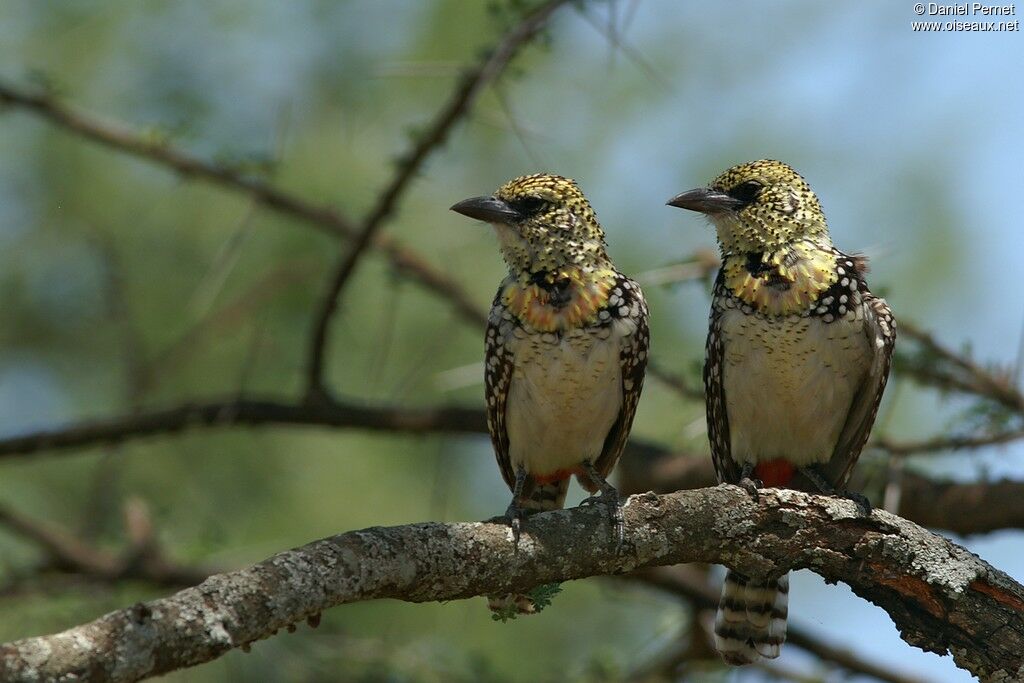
(789, 384)
(564, 397)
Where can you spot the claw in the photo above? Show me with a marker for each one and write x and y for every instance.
(818, 479)
(514, 514)
(751, 486)
(748, 483)
(609, 496)
(859, 499)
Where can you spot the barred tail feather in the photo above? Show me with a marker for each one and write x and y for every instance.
(751, 619)
(548, 496)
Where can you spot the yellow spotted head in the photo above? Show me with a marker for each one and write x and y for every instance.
(759, 206)
(543, 223)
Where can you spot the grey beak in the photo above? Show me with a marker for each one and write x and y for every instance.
(489, 209)
(705, 200)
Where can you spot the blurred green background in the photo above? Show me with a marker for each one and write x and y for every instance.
(123, 286)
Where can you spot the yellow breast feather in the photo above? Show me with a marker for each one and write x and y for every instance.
(783, 282)
(564, 299)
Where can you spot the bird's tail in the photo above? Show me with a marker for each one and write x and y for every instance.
(546, 496)
(751, 619)
(540, 498)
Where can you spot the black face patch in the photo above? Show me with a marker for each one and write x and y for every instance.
(746, 192)
(528, 206)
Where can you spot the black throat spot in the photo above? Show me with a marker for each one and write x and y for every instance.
(559, 290)
(756, 265)
(765, 271)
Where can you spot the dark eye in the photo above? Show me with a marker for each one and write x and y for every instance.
(529, 205)
(746, 191)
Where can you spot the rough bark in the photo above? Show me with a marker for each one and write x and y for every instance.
(941, 597)
(963, 508)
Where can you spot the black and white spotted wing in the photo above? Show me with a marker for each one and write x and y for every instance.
(726, 468)
(880, 328)
(627, 301)
(498, 366)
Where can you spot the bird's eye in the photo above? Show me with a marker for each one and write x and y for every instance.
(746, 191)
(529, 205)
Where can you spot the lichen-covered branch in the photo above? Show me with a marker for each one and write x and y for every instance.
(963, 508)
(941, 597)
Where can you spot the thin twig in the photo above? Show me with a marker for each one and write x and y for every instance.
(455, 110)
(939, 444)
(402, 259)
(981, 507)
(67, 553)
(964, 374)
(158, 150)
(119, 137)
(675, 381)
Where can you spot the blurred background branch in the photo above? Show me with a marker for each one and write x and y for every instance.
(162, 356)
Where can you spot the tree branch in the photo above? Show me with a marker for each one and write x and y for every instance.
(158, 150)
(246, 411)
(973, 507)
(958, 371)
(963, 508)
(327, 219)
(939, 444)
(966, 376)
(65, 552)
(942, 597)
(455, 109)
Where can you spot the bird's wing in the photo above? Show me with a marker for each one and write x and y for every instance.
(498, 365)
(626, 303)
(714, 393)
(880, 328)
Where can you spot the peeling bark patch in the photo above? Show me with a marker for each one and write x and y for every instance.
(1004, 598)
(911, 587)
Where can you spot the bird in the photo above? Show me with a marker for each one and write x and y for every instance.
(797, 357)
(566, 349)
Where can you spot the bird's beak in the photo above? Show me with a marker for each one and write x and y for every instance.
(489, 209)
(705, 200)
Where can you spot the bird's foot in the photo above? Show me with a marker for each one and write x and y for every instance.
(608, 496)
(815, 476)
(748, 483)
(859, 499)
(514, 514)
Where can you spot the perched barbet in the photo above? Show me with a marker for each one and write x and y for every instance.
(798, 354)
(566, 349)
